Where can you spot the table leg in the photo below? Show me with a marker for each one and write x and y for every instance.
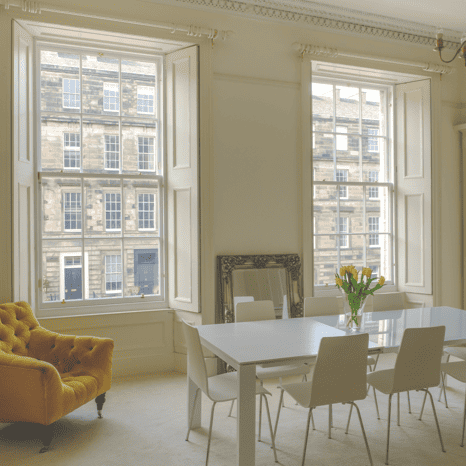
(194, 405)
(246, 421)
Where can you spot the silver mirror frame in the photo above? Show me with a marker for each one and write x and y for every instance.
(227, 264)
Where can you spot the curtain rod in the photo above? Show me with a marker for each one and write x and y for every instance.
(194, 31)
(318, 51)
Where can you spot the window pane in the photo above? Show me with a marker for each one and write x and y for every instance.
(375, 161)
(140, 146)
(380, 255)
(138, 81)
(100, 84)
(323, 157)
(347, 108)
(141, 200)
(325, 209)
(59, 82)
(105, 268)
(373, 110)
(322, 105)
(142, 274)
(60, 142)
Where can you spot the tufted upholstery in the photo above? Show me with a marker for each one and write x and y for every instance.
(45, 375)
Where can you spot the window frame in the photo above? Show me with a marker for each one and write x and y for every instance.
(154, 202)
(120, 264)
(105, 211)
(122, 303)
(72, 230)
(110, 84)
(72, 149)
(371, 139)
(71, 93)
(153, 100)
(144, 136)
(117, 152)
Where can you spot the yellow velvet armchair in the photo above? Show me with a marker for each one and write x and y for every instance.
(45, 375)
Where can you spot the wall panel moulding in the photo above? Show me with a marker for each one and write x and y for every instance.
(325, 17)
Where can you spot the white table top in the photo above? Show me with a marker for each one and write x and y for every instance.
(267, 340)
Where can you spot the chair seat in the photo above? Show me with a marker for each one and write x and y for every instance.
(370, 361)
(457, 351)
(301, 391)
(282, 371)
(456, 369)
(382, 380)
(223, 387)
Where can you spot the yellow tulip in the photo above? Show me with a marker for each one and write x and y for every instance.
(355, 275)
(342, 271)
(381, 281)
(367, 272)
(339, 281)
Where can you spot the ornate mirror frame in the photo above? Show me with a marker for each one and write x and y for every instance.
(227, 264)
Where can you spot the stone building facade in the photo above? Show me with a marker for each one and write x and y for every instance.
(99, 120)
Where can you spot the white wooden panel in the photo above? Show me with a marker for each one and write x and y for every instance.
(414, 187)
(183, 264)
(183, 179)
(24, 280)
(414, 233)
(414, 137)
(182, 112)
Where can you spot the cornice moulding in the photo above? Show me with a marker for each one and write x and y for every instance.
(327, 17)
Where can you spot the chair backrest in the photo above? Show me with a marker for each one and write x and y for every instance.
(340, 372)
(418, 362)
(328, 306)
(255, 310)
(196, 362)
(241, 299)
(389, 301)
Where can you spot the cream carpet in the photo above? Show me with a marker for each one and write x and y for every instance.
(145, 424)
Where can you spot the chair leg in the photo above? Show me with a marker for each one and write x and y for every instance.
(260, 414)
(278, 413)
(376, 404)
(349, 418)
(231, 408)
(388, 426)
(436, 420)
(210, 432)
(47, 434)
(363, 432)
(444, 388)
(330, 417)
(304, 379)
(100, 400)
(307, 435)
(270, 426)
(283, 400)
(313, 425)
(464, 421)
(192, 415)
(409, 403)
(398, 407)
(422, 409)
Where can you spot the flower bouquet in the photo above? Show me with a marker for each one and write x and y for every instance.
(355, 292)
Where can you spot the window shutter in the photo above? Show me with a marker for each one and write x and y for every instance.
(413, 176)
(23, 167)
(182, 179)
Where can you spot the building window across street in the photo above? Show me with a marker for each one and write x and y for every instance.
(373, 190)
(71, 93)
(146, 99)
(112, 211)
(373, 226)
(72, 150)
(146, 213)
(146, 153)
(112, 152)
(113, 275)
(111, 97)
(342, 175)
(72, 209)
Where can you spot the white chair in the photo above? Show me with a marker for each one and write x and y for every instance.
(333, 305)
(417, 367)
(218, 388)
(388, 301)
(264, 310)
(339, 376)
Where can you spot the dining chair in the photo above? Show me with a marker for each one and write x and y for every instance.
(458, 352)
(218, 388)
(338, 376)
(417, 367)
(254, 311)
(333, 306)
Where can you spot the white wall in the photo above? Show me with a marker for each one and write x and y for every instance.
(251, 181)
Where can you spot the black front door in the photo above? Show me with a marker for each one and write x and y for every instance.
(146, 270)
(73, 281)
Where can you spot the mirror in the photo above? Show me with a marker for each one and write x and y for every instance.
(275, 277)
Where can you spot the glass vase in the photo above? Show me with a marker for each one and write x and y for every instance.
(353, 319)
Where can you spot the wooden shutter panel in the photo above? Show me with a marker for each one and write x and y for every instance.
(23, 167)
(182, 86)
(414, 187)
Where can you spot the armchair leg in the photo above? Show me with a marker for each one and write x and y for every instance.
(47, 434)
(100, 400)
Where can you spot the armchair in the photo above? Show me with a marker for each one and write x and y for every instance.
(45, 375)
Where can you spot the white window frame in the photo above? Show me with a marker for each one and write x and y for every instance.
(139, 194)
(68, 147)
(112, 273)
(75, 211)
(142, 91)
(372, 142)
(107, 153)
(76, 94)
(374, 226)
(343, 189)
(144, 154)
(111, 87)
(106, 211)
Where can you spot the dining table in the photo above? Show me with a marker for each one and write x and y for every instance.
(244, 345)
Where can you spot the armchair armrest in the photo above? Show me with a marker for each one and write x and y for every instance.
(70, 353)
(27, 390)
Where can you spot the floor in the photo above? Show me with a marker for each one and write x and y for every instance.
(145, 424)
